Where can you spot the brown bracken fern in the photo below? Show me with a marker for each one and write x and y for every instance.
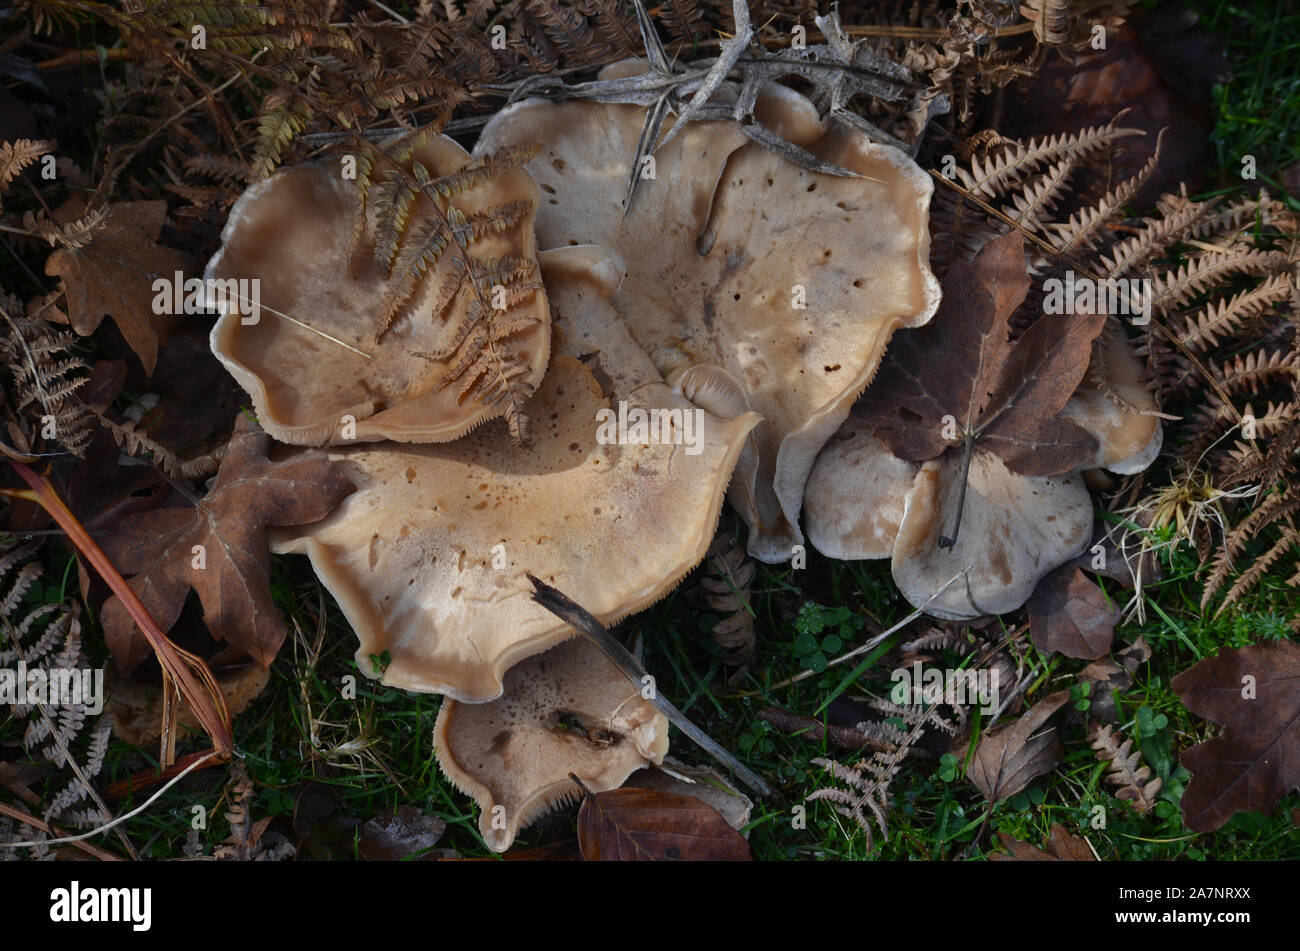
(415, 224)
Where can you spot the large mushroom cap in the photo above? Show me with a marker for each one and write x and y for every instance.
(295, 234)
(567, 710)
(429, 556)
(725, 243)
(1014, 530)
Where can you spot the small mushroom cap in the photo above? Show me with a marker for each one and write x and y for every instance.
(853, 505)
(1014, 530)
(1110, 403)
(294, 234)
(566, 710)
(429, 556)
(725, 243)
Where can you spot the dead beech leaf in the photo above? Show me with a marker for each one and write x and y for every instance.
(114, 272)
(699, 782)
(1255, 693)
(963, 364)
(396, 833)
(637, 825)
(1011, 757)
(1058, 846)
(1070, 614)
(219, 549)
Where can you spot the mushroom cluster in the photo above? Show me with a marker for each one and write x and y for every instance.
(751, 281)
(722, 324)
(1019, 513)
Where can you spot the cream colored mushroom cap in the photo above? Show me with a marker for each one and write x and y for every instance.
(1115, 406)
(854, 501)
(428, 557)
(293, 233)
(566, 710)
(725, 244)
(1014, 530)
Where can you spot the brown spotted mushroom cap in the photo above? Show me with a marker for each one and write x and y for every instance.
(724, 244)
(294, 233)
(566, 710)
(429, 556)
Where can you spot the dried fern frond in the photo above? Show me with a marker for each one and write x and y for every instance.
(18, 154)
(727, 588)
(867, 794)
(44, 376)
(47, 638)
(248, 841)
(1126, 771)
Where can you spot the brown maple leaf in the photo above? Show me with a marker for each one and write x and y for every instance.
(219, 549)
(1255, 693)
(1003, 395)
(114, 273)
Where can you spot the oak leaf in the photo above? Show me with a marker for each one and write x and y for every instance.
(1255, 693)
(1004, 395)
(219, 548)
(647, 825)
(113, 273)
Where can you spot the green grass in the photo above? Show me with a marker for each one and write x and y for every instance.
(375, 753)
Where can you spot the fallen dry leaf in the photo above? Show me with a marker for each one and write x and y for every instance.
(219, 549)
(113, 274)
(964, 365)
(1058, 846)
(396, 833)
(636, 825)
(1107, 676)
(1011, 757)
(700, 782)
(1255, 693)
(1070, 614)
(136, 707)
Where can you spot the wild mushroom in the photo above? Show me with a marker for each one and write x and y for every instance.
(429, 556)
(791, 281)
(375, 334)
(565, 711)
(939, 517)
(1116, 406)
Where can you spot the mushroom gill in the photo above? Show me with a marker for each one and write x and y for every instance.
(791, 281)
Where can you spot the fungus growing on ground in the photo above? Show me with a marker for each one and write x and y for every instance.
(791, 281)
(1114, 405)
(371, 320)
(565, 711)
(995, 497)
(428, 557)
